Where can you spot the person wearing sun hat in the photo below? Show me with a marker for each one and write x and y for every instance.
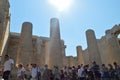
(8, 65)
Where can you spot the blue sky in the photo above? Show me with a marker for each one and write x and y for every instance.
(98, 15)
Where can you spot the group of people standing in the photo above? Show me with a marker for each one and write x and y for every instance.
(27, 72)
(80, 72)
(32, 72)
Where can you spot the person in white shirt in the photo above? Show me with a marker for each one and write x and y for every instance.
(34, 72)
(20, 72)
(8, 65)
(80, 73)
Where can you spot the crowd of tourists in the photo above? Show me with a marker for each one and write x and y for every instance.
(80, 72)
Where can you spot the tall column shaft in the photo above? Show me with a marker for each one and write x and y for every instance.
(55, 50)
(25, 46)
(4, 27)
(93, 51)
(80, 55)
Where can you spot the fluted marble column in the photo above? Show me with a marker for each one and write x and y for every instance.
(80, 55)
(55, 51)
(25, 46)
(93, 51)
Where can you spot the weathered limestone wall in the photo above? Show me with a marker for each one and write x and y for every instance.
(40, 56)
(25, 53)
(13, 45)
(107, 54)
(80, 58)
(40, 48)
(93, 50)
(71, 61)
(33, 55)
(67, 61)
(108, 47)
(86, 57)
(115, 43)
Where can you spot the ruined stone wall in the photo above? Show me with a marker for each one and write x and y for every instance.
(34, 51)
(108, 47)
(39, 48)
(80, 59)
(86, 57)
(71, 61)
(105, 51)
(13, 45)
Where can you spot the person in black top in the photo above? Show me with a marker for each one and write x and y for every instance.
(96, 70)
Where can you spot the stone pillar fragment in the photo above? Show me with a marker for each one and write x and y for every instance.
(54, 56)
(93, 50)
(25, 44)
(80, 55)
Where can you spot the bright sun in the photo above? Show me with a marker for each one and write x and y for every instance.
(61, 5)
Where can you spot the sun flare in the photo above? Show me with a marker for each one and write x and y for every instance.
(61, 5)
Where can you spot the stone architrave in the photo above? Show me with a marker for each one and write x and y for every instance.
(93, 50)
(80, 55)
(25, 44)
(54, 56)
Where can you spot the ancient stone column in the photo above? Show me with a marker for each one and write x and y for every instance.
(80, 58)
(1, 31)
(54, 56)
(4, 26)
(25, 45)
(93, 51)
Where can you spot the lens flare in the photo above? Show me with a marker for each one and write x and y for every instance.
(61, 5)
